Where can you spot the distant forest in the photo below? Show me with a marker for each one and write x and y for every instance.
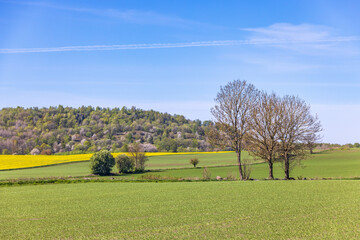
(87, 129)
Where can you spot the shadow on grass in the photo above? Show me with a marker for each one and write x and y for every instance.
(135, 173)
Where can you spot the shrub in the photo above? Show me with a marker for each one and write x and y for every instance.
(102, 162)
(46, 152)
(206, 174)
(247, 167)
(158, 177)
(5, 151)
(141, 159)
(194, 161)
(345, 148)
(138, 157)
(124, 148)
(124, 164)
(231, 176)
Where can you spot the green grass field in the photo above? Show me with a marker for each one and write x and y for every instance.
(316, 209)
(195, 210)
(326, 164)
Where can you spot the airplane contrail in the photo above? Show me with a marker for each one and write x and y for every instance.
(173, 45)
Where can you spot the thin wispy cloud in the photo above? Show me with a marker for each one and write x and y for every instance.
(174, 45)
(286, 31)
(302, 38)
(126, 15)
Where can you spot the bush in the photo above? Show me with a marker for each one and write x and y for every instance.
(102, 162)
(46, 152)
(206, 174)
(124, 148)
(124, 164)
(5, 151)
(140, 160)
(247, 167)
(156, 177)
(139, 157)
(194, 161)
(231, 176)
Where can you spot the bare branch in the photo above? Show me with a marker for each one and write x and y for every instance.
(233, 116)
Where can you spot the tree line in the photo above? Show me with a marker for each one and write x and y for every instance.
(270, 127)
(91, 129)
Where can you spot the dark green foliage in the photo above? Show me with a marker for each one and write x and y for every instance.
(124, 164)
(101, 163)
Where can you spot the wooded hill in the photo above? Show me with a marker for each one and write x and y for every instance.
(88, 129)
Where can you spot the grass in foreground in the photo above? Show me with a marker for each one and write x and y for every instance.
(206, 210)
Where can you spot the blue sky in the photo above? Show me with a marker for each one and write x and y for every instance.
(173, 56)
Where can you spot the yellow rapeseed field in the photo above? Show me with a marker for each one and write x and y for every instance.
(8, 162)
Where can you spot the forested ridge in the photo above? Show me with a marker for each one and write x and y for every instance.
(88, 129)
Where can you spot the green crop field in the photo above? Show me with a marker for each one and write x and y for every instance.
(206, 210)
(327, 164)
(316, 209)
(336, 163)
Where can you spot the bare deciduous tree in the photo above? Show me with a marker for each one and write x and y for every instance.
(296, 126)
(263, 138)
(138, 156)
(270, 127)
(233, 116)
(310, 141)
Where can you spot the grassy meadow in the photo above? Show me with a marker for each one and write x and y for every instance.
(183, 210)
(316, 209)
(326, 164)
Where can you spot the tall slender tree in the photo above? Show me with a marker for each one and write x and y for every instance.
(263, 138)
(233, 117)
(297, 126)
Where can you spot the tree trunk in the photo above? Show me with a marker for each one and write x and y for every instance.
(287, 166)
(311, 151)
(271, 174)
(238, 153)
